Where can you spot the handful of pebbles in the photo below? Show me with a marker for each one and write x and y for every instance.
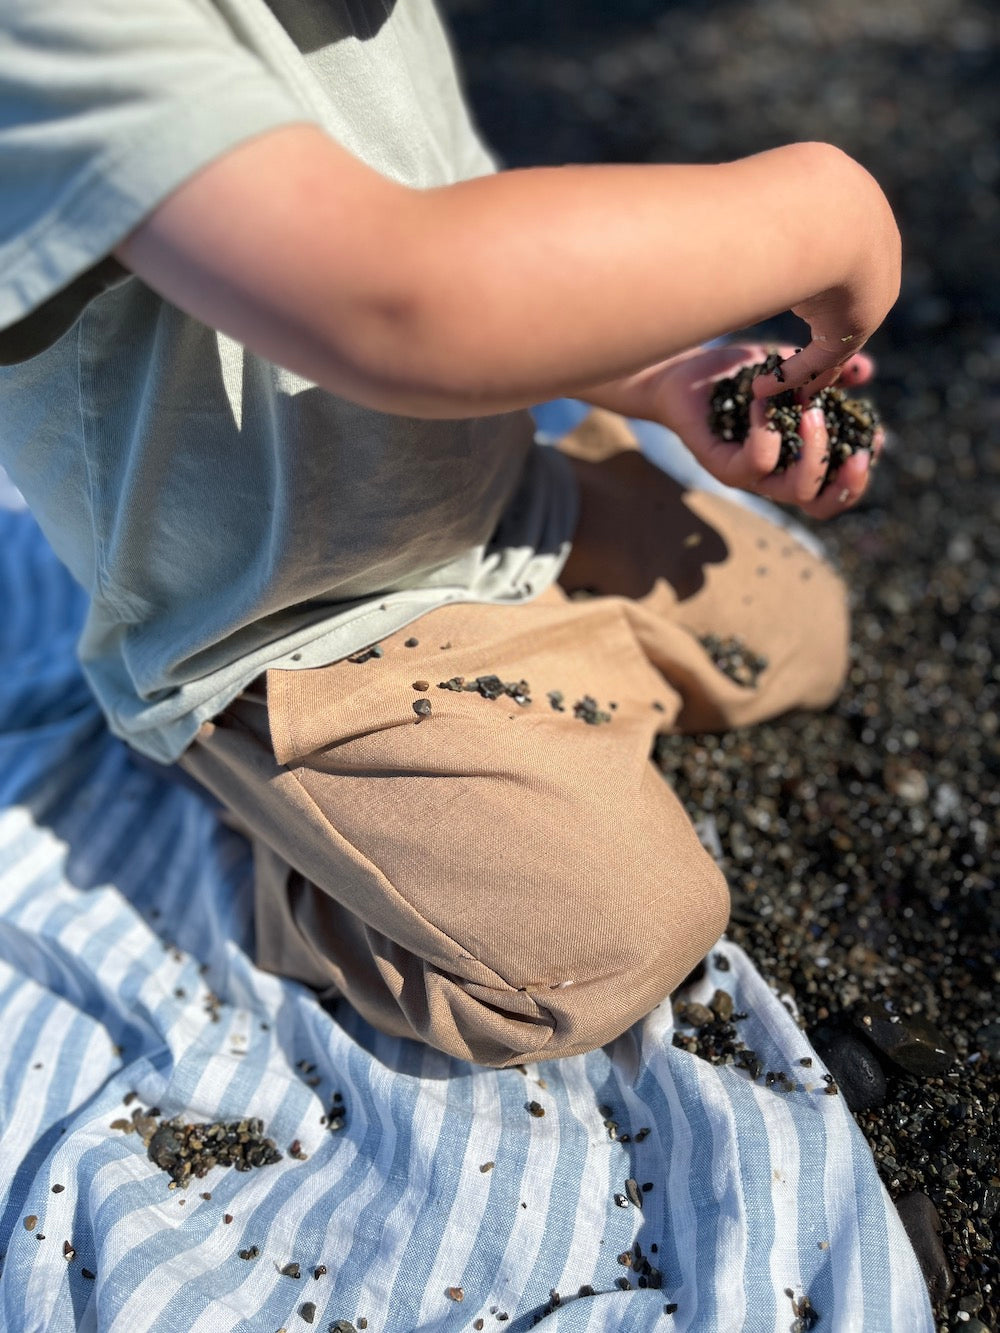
(850, 422)
(191, 1150)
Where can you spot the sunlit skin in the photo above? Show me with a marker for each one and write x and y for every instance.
(500, 292)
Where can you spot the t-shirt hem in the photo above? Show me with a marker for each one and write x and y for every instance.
(166, 744)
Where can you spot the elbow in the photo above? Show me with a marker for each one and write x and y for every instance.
(388, 339)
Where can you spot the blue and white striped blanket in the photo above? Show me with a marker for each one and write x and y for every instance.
(125, 908)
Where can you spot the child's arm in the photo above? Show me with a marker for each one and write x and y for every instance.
(506, 290)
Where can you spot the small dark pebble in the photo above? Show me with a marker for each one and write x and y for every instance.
(806, 1317)
(421, 684)
(422, 708)
(854, 1067)
(291, 1270)
(586, 710)
(411, 643)
(492, 687)
(693, 1014)
(634, 1192)
(535, 1108)
(85, 1272)
(252, 1253)
(342, 1326)
(923, 1226)
(68, 1251)
(308, 1312)
(58, 1189)
(30, 1222)
(621, 1200)
(366, 654)
(911, 1042)
(455, 1294)
(227, 1218)
(319, 1271)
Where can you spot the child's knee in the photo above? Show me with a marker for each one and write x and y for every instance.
(605, 972)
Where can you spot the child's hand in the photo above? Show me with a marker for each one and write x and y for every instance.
(677, 394)
(842, 317)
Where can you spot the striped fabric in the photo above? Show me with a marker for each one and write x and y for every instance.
(124, 912)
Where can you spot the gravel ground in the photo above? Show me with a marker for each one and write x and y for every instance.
(861, 844)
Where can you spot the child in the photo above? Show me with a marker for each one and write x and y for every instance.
(269, 324)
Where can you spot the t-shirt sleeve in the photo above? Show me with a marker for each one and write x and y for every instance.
(106, 107)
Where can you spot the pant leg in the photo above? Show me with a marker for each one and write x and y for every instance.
(507, 883)
(512, 883)
(694, 567)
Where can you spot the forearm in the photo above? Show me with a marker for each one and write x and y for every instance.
(543, 282)
(499, 292)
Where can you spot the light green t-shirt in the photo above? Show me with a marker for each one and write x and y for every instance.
(224, 514)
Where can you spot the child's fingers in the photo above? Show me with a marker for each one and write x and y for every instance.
(806, 476)
(858, 370)
(758, 457)
(814, 368)
(846, 487)
(800, 483)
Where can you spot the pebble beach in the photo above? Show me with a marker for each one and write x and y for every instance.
(860, 844)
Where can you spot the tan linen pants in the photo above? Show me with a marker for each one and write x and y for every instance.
(507, 881)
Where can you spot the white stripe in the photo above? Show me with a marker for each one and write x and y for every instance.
(460, 1231)
(586, 1251)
